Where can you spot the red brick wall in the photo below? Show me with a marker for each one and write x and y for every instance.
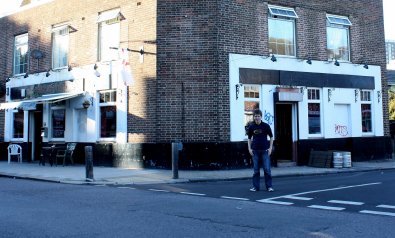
(181, 90)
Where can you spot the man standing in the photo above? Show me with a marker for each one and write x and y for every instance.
(260, 149)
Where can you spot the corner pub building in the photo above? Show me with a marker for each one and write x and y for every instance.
(315, 68)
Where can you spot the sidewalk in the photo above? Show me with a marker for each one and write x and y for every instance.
(108, 175)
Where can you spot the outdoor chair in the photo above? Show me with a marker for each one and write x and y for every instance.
(16, 150)
(66, 154)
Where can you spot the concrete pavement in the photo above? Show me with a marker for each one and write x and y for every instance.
(76, 174)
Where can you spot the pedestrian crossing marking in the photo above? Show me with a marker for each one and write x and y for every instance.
(274, 202)
(235, 198)
(196, 194)
(298, 198)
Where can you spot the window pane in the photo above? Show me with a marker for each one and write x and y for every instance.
(109, 37)
(20, 54)
(281, 37)
(108, 125)
(366, 117)
(60, 48)
(314, 118)
(249, 108)
(337, 43)
(18, 125)
(58, 123)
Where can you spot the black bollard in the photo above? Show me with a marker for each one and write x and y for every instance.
(176, 147)
(89, 163)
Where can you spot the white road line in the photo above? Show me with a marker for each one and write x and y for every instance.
(100, 185)
(235, 198)
(298, 198)
(126, 187)
(159, 190)
(386, 206)
(346, 202)
(327, 207)
(274, 202)
(329, 189)
(196, 194)
(378, 213)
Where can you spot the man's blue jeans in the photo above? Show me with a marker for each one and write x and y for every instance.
(261, 157)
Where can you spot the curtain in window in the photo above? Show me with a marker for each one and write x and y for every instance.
(60, 48)
(337, 43)
(281, 37)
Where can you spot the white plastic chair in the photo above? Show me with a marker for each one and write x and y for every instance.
(14, 149)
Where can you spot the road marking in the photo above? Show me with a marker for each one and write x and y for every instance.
(346, 202)
(100, 185)
(378, 213)
(235, 198)
(275, 202)
(159, 190)
(327, 207)
(329, 189)
(196, 194)
(298, 198)
(126, 187)
(386, 206)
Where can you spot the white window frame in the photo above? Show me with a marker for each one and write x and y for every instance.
(251, 99)
(50, 132)
(338, 23)
(366, 99)
(319, 101)
(110, 22)
(282, 14)
(21, 47)
(60, 46)
(13, 138)
(111, 102)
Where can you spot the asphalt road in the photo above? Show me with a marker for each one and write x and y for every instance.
(363, 192)
(222, 209)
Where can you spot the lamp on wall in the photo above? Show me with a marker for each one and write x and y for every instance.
(273, 58)
(26, 75)
(48, 74)
(337, 63)
(238, 89)
(69, 68)
(366, 66)
(308, 61)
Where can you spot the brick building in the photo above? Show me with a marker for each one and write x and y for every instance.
(317, 71)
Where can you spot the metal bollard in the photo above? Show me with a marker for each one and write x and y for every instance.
(176, 147)
(89, 163)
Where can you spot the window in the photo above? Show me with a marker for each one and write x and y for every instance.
(338, 41)
(314, 111)
(366, 111)
(58, 119)
(60, 46)
(251, 101)
(20, 54)
(17, 132)
(108, 114)
(109, 34)
(282, 31)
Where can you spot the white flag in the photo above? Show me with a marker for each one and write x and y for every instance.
(125, 72)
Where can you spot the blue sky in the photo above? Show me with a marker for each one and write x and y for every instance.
(389, 14)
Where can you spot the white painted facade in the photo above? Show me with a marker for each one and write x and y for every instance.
(340, 107)
(82, 125)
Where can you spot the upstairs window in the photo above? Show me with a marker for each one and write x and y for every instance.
(366, 111)
(20, 54)
(109, 34)
(282, 31)
(338, 39)
(60, 46)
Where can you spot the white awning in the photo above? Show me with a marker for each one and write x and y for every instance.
(109, 15)
(29, 104)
